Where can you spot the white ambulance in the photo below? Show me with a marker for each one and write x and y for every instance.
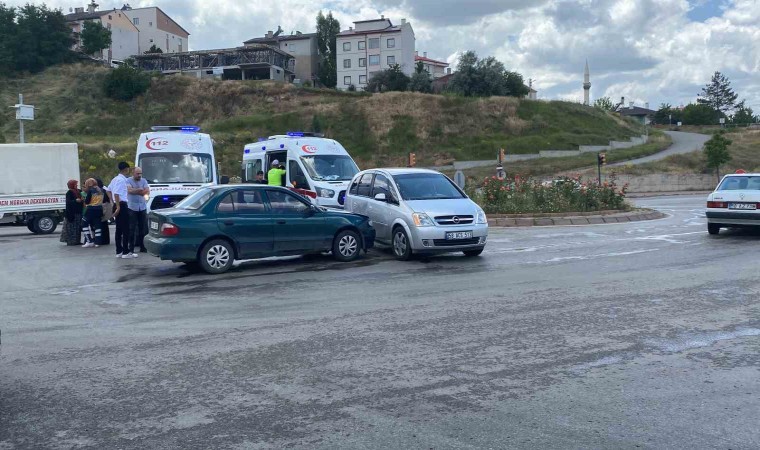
(176, 161)
(316, 167)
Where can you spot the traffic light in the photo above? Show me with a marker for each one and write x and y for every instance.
(412, 160)
(501, 155)
(602, 159)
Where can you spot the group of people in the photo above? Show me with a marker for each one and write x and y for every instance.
(89, 211)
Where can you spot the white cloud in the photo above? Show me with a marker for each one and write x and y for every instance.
(647, 50)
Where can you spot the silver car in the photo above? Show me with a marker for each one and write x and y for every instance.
(418, 211)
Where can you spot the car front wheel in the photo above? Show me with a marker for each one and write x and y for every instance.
(217, 256)
(713, 228)
(346, 246)
(402, 248)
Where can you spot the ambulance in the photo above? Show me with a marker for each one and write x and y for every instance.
(176, 161)
(317, 168)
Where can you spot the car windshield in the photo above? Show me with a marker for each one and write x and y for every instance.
(196, 200)
(740, 184)
(176, 168)
(426, 186)
(330, 167)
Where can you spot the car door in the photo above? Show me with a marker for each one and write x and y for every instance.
(242, 215)
(381, 213)
(361, 197)
(298, 227)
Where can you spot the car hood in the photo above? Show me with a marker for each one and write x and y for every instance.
(448, 207)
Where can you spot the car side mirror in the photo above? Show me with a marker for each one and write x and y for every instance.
(224, 179)
(381, 197)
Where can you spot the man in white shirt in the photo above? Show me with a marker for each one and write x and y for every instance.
(118, 193)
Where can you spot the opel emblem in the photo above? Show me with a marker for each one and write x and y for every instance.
(455, 219)
(741, 196)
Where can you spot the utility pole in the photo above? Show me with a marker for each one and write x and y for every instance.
(23, 112)
(21, 122)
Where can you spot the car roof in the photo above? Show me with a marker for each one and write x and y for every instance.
(220, 187)
(743, 175)
(403, 170)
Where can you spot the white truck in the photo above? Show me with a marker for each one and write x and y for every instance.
(33, 191)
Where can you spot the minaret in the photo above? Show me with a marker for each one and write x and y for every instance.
(586, 85)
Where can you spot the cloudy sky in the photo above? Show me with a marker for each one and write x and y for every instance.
(646, 50)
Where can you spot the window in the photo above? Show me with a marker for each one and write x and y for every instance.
(196, 200)
(362, 79)
(374, 60)
(109, 17)
(286, 203)
(346, 46)
(362, 62)
(136, 21)
(354, 186)
(108, 25)
(297, 177)
(249, 201)
(151, 41)
(374, 43)
(346, 63)
(347, 81)
(391, 43)
(427, 186)
(391, 60)
(251, 169)
(226, 206)
(150, 24)
(382, 186)
(362, 45)
(365, 185)
(734, 183)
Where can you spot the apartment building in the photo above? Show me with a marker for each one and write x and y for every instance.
(436, 69)
(124, 35)
(302, 46)
(157, 28)
(371, 46)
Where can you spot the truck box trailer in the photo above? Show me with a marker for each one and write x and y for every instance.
(34, 189)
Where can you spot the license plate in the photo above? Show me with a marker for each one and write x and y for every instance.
(456, 235)
(749, 206)
(153, 225)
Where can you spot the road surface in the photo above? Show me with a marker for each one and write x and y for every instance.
(682, 143)
(637, 335)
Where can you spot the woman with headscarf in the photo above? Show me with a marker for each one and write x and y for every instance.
(92, 222)
(105, 237)
(73, 226)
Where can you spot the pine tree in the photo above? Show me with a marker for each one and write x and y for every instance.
(716, 152)
(328, 28)
(718, 94)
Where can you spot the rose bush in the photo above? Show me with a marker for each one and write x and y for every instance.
(569, 194)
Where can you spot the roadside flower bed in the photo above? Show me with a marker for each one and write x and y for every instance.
(522, 196)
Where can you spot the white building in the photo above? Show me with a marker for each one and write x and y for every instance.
(371, 46)
(157, 28)
(436, 69)
(124, 35)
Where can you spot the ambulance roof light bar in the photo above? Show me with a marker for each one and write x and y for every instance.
(189, 128)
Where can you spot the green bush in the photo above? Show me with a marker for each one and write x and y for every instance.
(519, 196)
(126, 82)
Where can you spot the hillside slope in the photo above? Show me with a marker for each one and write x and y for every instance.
(376, 129)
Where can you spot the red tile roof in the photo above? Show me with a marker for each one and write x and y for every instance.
(432, 61)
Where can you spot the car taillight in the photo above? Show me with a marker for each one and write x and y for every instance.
(169, 229)
(717, 205)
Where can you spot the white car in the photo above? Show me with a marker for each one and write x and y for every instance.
(734, 203)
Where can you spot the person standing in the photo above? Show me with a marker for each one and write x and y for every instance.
(276, 175)
(260, 178)
(118, 192)
(73, 228)
(92, 223)
(137, 191)
(105, 237)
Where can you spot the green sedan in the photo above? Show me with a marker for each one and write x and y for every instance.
(218, 225)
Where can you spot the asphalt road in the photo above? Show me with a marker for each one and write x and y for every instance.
(637, 335)
(682, 143)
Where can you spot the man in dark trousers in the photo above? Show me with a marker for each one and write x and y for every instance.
(138, 190)
(117, 190)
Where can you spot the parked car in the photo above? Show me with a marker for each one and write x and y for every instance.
(418, 211)
(219, 224)
(734, 203)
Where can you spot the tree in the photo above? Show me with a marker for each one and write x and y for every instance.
(126, 82)
(743, 114)
(328, 28)
(700, 114)
(7, 36)
(391, 79)
(716, 152)
(516, 84)
(718, 94)
(419, 67)
(153, 49)
(95, 37)
(667, 115)
(486, 77)
(604, 103)
(40, 37)
(421, 82)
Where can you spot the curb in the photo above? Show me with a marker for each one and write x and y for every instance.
(600, 217)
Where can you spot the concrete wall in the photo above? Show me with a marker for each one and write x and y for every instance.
(668, 182)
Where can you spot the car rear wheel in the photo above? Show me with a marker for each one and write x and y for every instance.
(217, 256)
(402, 248)
(472, 253)
(713, 228)
(346, 246)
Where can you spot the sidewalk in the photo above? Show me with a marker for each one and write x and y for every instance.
(590, 218)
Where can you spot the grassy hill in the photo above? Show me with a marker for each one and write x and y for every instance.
(376, 129)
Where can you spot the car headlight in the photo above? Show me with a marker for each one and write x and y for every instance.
(422, 220)
(480, 218)
(326, 193)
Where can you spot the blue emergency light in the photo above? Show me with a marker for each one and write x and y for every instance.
(282, 145)
(295, 133)
(187, 128)
(248, 150)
